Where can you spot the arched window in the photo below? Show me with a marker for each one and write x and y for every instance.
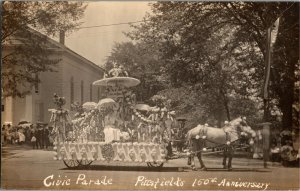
(81, 92)
(36, 84)
(91, 92)
(98, 93)
(72, 90)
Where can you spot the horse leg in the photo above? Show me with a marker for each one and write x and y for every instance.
(192, 161)
(169, 150)
(200, 160)
(229, 163)
(224, 158)
(189, 160)
(230, 155)
(192, 155)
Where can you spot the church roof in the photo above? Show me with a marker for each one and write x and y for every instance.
(62, 47)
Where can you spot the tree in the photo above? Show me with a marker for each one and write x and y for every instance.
(27, 52)
(198, 51)
(285, 61)
(142, 63)
(198, 40)
(257, 18)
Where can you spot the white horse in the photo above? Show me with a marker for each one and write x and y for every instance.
(204, 136)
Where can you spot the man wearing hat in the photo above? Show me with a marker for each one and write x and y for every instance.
(228, 151)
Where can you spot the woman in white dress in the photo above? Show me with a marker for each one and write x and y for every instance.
(112, 133)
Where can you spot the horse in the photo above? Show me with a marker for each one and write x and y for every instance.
(204, 136)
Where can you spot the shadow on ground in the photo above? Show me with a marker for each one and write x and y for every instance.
(262, 170)
(128, 168)
(9, 151)
(163, 169)
(6, 154)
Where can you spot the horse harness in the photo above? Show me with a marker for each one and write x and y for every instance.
(203, 132)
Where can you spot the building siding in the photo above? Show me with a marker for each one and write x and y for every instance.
(72, 67)
(34, 107)
(51, 82)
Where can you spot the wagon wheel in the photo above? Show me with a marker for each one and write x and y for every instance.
(71, 163)
(155, 164)
(84, 162)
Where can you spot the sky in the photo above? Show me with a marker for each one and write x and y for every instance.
(95, 44)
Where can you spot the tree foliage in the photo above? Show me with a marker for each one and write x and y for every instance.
(286, 64)
(142, 63)
(26, 52)
(218, 50)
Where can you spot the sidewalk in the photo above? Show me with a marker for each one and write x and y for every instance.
(16, 146)
(215, 160)
(9, 150)
(24, 146)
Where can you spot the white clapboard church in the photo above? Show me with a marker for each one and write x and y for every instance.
(73, 80)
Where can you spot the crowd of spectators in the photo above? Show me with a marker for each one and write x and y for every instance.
(36, 135)
(283, 149)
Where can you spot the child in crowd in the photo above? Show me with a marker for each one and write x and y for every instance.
(33, 142)
(275, 153)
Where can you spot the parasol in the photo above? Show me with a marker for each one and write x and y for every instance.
(51, 110)
(286, 133)
(181, 119)
(105, 103)
(89, 105)
(24, 124)
(118, 81)
(142, 107)
(8, 123)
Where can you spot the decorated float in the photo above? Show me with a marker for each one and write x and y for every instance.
(114, 129)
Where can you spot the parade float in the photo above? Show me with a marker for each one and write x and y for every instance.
(114, 129)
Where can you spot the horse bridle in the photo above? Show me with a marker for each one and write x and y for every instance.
(238, 130)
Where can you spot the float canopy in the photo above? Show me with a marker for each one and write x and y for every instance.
(118, 81)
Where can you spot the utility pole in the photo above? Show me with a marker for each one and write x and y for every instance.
(266, 124)
(271, 32)
(267, 75)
